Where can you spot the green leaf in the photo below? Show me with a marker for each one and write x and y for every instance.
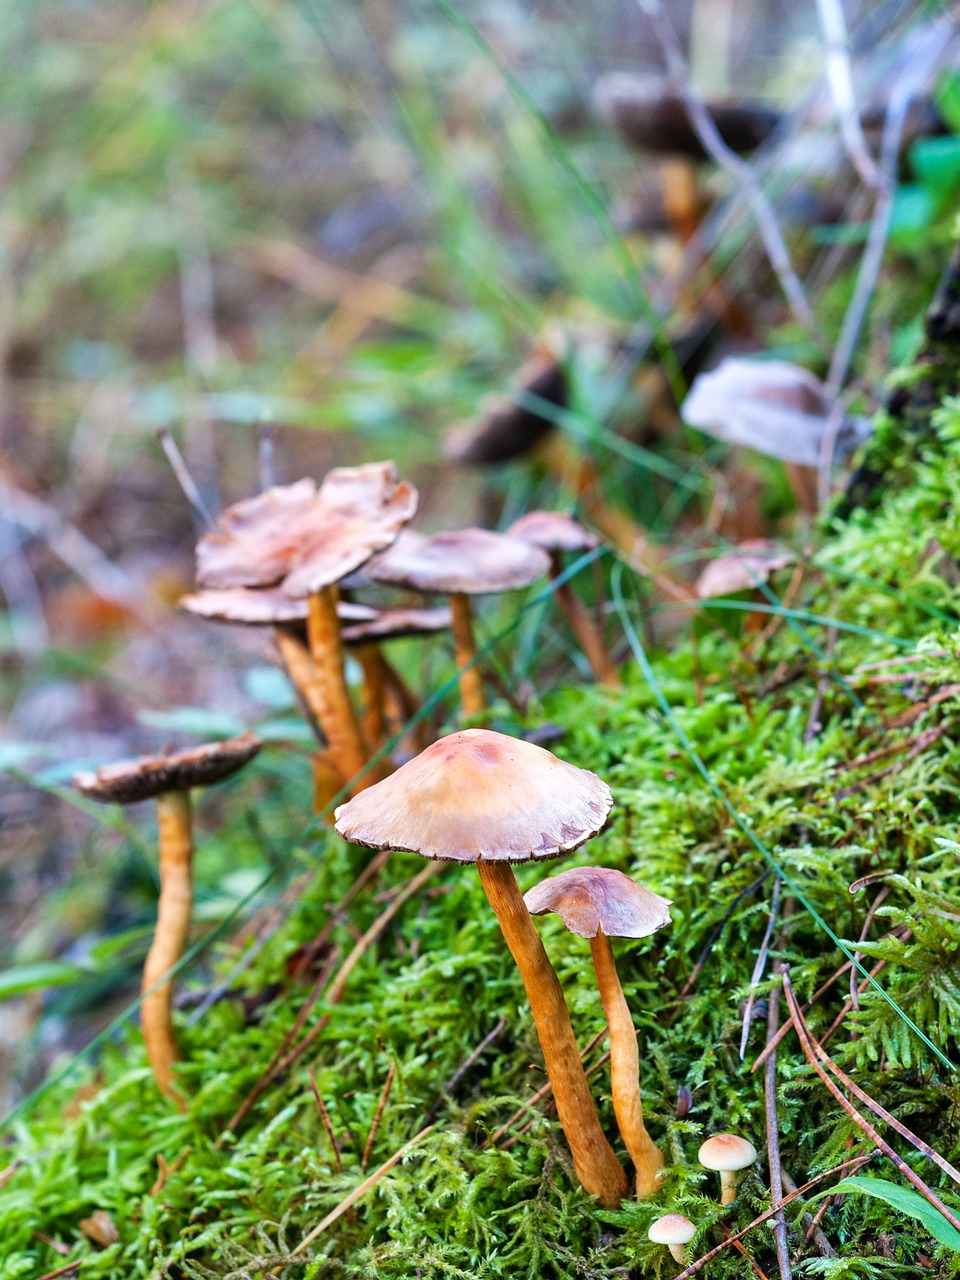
(37, 977)
(936, 162)
(947, 98)
(904, 1199)
(198, 720)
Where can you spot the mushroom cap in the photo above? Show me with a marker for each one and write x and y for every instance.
(262, 606)
(395, 624)
(473, 561)
(304, 537)
(553, 531)
(672, 1228)
(505, 429)
(590, 900)
(129, 781)
(726, 1153)
(749, 563)
(479, 795)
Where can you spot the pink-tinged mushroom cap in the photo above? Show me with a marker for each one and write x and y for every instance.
(262, 606)
(130, 781)
(748, 565)
(303, 537)
(672, 1228)
(593, 899)
(553, 531)
(395, 624)
(468, 561)
(726, 1153)
(479, 795)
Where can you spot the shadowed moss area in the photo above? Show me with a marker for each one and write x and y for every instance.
(839, 767)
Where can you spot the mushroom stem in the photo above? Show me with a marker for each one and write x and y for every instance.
(583, 626)
(625, 1069)
(374, 693)
(728, 1186)
(596, 1165)
(341, 725)
(681, 202)
(302, 671)
(678, 1253)
(472, 695)
(169, 939)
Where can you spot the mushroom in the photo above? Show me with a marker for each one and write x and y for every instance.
(727, 1154)
(749, 564)
(676, 1232)
(308, 539)
(168, 779)
(459, 565)
(478, 796)
(560, 534)
(600, 903)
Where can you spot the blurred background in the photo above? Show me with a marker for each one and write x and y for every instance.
(297, 234)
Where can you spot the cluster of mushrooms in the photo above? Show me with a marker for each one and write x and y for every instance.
(292, 559)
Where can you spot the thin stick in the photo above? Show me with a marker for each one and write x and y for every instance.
(773, 1140)
(711, 941)
(378, 1116)
(824, 1246)
(62, 1271)
(465, 1066)
(759, 967)
(857, 1162)
(184, 479)
(840, 79)
(360, 1191)
(325, 1118)
(813, 1052)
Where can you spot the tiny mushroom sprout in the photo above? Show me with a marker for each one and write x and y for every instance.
(307, 539)
(600, 903)
(459, 565)
(727, 1154)
(559, 534)
(676, 1232)
(482, 797)
(168, 779)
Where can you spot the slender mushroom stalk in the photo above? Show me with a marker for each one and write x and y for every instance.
(586, 899)
(168, 779)
(675, 1231)
(478, 796)
(727, 1154)
(472, 695)
(341, 726)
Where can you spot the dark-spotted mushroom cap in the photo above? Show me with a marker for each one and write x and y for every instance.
(466, 561)
(591, 899)
(305, 537)
(553, 531)
(129, 781)
(480, 795)
(262, 606)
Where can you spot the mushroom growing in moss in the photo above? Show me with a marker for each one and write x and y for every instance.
(675, 1231)
(478, 796)
(727, 1154)
(168, 779)
(600, 903)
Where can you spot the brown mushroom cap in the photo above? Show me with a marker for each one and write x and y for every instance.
(479, 795)
(591, 899)
(727, 1153)
(304, 537)
(130, 781)
(553, 531)
(672, 1228)
(747, 565)
(395, 624)
(468, 561)
(262, 606)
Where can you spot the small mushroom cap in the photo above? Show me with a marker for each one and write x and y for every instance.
(129, 781)
(303, 537)
(749, 563)
(726, 1153)
(479, 794)
(672, 1228)
(553, 531)
(473, 561)
(262, 606)
(395, 624)
(593, 899)
(505, 429)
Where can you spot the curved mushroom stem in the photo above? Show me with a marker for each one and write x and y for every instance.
(679, 1253)
(341, 725)
(472, 696)
(583, 626)
(596, 1165)
(169, 939)
(625, 1069)
(374, 693)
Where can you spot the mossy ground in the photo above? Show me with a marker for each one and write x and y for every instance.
(439, 979)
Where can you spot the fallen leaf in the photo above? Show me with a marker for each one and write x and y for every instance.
(99, 1228)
